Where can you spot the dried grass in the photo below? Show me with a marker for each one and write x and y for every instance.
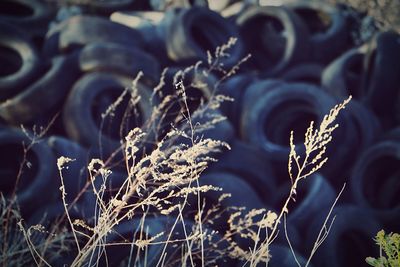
(158, 184)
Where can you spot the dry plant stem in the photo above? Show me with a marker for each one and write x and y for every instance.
(62, 188)
(33, 140)
(192, 130)
(288, 240)
(31, 247)
(315, 141)
(325, 229)
(110, 214)
(180, 208)
(186, 238)
(323, 233)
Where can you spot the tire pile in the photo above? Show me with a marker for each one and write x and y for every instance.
(76, 60)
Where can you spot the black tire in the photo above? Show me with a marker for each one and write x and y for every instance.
(383, 77)
(20, 61)
(190, 33)
(327, 41)
(233, 11)
(350, 239)
(256, 90)
(163, 5)
(90, 97)
(281, 256)
(242, 195)
(306, 101)
(272, 52)
(74, 173)
(39, 173)
(392, 135)
(105, 8)
(110, 57)
(375, 181)
(44, 95)
(148, 23)
(199, 88)
(220, 131)
(367, 127)
(235, 87)
(249, 163)
(32, 15)
(345, 75)
(219, 6)
(304, 73)
(314, 195)
(81, 30)
(204, 128)
(268, 118)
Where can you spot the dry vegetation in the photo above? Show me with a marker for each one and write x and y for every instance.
(158, 185)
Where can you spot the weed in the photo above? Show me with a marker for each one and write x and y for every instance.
(389, 247)
(159, 182)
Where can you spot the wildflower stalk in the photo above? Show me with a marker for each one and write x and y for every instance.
(315, 142)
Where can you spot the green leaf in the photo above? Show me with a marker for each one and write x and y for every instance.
(372, 261)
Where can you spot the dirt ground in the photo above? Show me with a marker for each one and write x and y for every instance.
(385, 12)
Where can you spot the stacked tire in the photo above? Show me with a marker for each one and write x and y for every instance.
(68, 67)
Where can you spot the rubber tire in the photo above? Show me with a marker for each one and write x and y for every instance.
(374, 180)
(326, 45)
(77, 114)
(367, 127)
(384, 77)
(164, 5)
(11, 38)
(110, 57)
(183, 40)
(219, 6)
(45, 95)
(30, 15)
(242, 195)
(105, 8)
(33, 193)
(252, 129)
(318, 197)
(81, 30)
(357, 221)
(74, 173)
(249, 163)
(279, 103)
(304, 73)
(148, 23)
(345, 75)
(221, 131)
(392, 135)
(281, 256)
(235, 87)
(295, 49)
